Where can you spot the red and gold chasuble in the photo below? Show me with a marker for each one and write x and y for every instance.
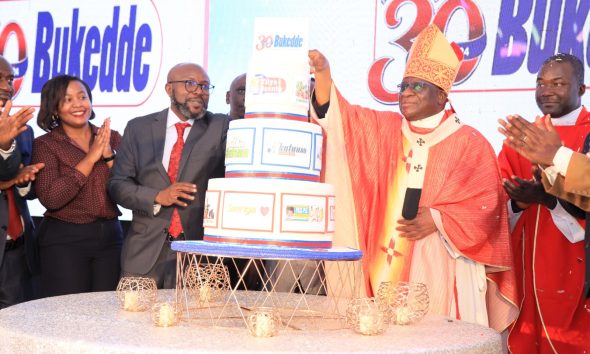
(549, 268)
(461, 184)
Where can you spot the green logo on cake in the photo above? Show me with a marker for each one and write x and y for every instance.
(302, 91)
(308, 213)
(237, 148)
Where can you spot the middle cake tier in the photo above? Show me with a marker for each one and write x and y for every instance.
(262, 211)
(273, 148)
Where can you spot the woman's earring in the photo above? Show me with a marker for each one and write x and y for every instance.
(54, 120)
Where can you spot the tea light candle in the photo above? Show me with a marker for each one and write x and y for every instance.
(368, 322)
(205, 293)
(166, 315)
(131, 302)
(403, 315)
(264, 325)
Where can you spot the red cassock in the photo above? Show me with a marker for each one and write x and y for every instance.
(462, 183)
(553, 313)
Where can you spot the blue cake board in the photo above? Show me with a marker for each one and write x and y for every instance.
(268, 252)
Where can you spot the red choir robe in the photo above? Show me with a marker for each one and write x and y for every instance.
(462, 184)
(550, 268)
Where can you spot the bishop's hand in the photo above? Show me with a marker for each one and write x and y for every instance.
(419, 227)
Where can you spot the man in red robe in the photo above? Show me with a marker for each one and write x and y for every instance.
(440, 174)
(547, 239)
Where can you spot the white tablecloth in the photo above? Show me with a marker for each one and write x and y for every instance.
(94, 323)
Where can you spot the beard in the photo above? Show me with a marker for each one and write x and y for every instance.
(185, 110)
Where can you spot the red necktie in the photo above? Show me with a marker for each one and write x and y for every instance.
(15, 224)
(175, 225)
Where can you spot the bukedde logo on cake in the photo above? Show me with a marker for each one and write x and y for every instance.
(115, 50)
(262, 85)
(279, 41)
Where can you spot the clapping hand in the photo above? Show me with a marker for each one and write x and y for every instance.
(25, 175)
(528, 191)
(101, 147)
(12, 125)
(537, 142)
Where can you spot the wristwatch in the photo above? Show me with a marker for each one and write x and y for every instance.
(110, 158)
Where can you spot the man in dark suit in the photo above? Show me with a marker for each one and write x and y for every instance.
(161, 172)
(17, 245)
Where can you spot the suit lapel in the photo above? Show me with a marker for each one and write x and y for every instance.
(159, 138)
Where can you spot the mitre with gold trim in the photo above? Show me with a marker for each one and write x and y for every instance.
(432, 58)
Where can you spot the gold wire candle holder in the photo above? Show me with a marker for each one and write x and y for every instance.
(207, 282)
(408, 302)
(264, 322)
(136, 293)
(367, 316)
(386, 292)
(165, 314)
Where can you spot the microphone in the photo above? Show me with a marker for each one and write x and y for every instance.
(411, 202)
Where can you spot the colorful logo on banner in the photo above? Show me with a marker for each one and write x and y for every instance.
(12, 29)
(555, 28)
(115, 51)
(425, 14)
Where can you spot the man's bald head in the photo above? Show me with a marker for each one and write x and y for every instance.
(6, 80)
(236, 97)
(184, 86)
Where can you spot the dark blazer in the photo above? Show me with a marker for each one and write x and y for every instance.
(9, 169)
(138, 175)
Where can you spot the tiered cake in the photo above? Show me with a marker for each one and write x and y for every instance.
(271, 194)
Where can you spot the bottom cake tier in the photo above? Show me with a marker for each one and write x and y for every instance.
(275, 212)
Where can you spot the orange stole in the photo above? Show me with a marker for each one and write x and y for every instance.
(391, 259)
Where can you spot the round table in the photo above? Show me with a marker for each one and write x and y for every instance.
(93, 322)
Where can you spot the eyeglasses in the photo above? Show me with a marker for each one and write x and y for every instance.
(416, 86)
(193, 86)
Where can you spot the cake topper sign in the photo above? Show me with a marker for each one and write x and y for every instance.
(278, 63)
